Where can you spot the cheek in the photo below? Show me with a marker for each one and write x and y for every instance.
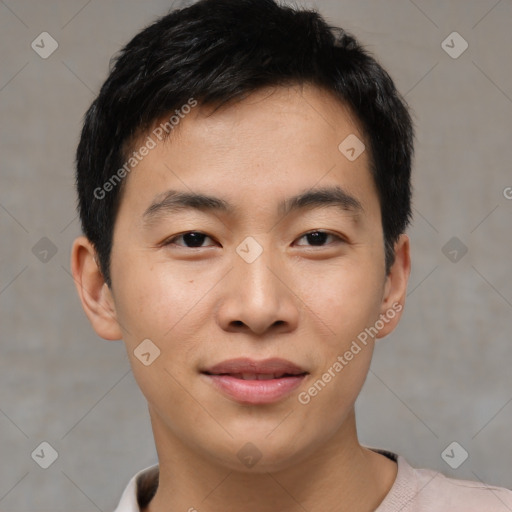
(165, 304)
(156, 305)
(155, 298)
(347, 301)
(344, 299)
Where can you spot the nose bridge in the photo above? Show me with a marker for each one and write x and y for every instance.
(255, 297)
(254, 257)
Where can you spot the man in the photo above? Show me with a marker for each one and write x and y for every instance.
(244, 191)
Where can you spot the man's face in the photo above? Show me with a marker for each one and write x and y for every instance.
(254, 280)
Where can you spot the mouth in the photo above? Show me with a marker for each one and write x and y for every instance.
(248, 381)
(256, 376)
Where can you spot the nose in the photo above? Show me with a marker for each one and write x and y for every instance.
(258, 297)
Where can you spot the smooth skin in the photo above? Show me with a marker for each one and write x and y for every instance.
(201, 303)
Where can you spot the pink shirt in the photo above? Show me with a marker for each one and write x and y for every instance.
(414, 490)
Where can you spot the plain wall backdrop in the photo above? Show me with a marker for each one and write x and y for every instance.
(443, 376)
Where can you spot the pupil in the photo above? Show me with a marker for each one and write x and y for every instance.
(317, 237)
(194, 239)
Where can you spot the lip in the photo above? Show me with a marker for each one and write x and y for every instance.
(247, 365)
(226, 377)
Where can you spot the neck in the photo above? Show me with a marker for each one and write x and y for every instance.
(340, 476)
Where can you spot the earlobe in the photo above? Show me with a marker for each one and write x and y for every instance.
(96, 297)
(395, 288)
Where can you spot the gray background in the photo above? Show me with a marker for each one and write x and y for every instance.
(442, 376)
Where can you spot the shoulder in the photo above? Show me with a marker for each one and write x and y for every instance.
(425, 490)
(435, 490)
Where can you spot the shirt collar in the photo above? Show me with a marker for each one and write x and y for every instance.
(139, 491)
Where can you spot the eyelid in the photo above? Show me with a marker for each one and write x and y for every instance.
(340, 237)
(170, 241)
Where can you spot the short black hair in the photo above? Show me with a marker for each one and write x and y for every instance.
(217, 51)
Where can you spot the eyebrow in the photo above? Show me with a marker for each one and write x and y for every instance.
(173, 201)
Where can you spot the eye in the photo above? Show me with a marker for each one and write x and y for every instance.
(196, 239)
(192, 239)
(318, 238)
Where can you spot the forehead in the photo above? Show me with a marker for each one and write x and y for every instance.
(275, 142)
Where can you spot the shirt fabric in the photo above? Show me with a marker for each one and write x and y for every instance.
(414, 490)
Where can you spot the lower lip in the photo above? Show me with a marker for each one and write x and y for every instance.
(256, 391)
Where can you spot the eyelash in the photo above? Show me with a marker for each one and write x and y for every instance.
(170, 241)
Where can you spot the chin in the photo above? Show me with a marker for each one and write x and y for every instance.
(264, 453)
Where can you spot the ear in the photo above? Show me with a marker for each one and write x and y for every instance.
(96, 296)
(395, 287)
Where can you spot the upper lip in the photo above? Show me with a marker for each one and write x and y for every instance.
(246, 365)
